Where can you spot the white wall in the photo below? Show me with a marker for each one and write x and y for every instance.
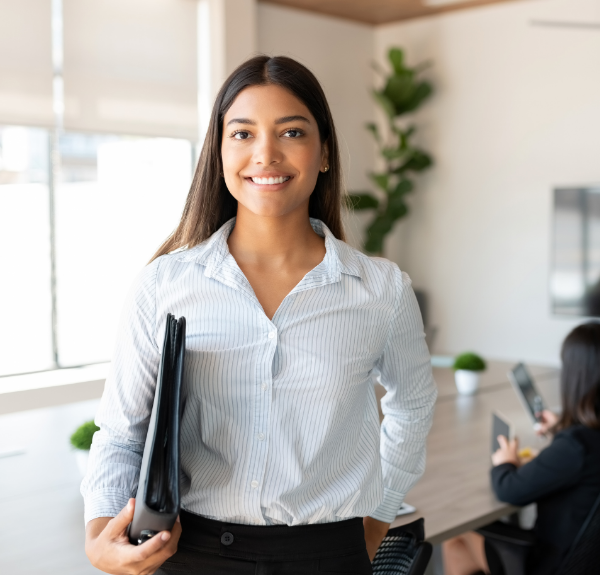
(339, 53)
(517, 112)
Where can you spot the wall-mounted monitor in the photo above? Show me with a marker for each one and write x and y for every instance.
(575, 274)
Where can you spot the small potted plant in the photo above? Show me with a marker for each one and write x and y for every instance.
(81, 440)
(467, 367)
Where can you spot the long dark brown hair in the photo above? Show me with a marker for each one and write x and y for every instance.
(209, 204)
(580, 378)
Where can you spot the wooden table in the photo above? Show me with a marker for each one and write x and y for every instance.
(454, 494)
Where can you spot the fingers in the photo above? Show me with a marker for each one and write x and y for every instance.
(502, 442)
(514, 444)
(171, 546)
(117, 525)
(150, 547)
(176, 532)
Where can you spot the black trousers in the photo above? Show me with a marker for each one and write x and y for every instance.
(208, 547)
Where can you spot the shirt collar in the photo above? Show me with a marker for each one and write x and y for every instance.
(339, 258)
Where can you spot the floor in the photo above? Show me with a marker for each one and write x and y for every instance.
(42, 531)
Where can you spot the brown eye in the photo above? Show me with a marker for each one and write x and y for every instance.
(241, 135)
(293, 133)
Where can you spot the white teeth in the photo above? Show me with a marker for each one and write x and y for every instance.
(270, 181)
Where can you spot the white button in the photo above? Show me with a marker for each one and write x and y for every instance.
(271, 334)
(264, 386)
(254, 484)
(261, 436)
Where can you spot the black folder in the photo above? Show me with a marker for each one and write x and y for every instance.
(157, 500)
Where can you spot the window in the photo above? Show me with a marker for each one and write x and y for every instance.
(82, 211)
(116, 200)
(25, 302)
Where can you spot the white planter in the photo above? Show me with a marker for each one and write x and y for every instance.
(82, 456)
(467, 381)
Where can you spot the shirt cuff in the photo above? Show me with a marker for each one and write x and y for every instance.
(389, 507)
(104, 503)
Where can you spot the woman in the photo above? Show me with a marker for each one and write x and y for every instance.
(287, 328)
(564, 479)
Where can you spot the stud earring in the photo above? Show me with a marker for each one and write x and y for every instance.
(326, 169)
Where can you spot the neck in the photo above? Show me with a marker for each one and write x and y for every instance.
(272, 240)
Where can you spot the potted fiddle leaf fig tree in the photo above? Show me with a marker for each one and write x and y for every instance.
(403, 93)
(81, 440)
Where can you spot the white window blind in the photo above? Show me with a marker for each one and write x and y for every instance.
(130, 67)
(25, 62)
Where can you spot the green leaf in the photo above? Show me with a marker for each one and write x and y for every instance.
(396, 206)
(393, 153)
(419, 94)
(405, 136)
(417, 161)
(399, 90)
(402, 187)
(82, 437)
(361, 201)
(381, 180)
(385, 103)
(396, 57)
(376, 233)
(375, 131)
(469, 361)
(396, 209)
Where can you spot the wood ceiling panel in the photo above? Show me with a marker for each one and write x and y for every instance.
(379, 11)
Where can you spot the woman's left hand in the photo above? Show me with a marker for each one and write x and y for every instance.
(375, 531)
(508, 452)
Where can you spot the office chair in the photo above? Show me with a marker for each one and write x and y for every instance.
(403, 551)
(507, 548)
(584, 555)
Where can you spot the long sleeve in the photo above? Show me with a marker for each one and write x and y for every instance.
(405, 368)
(126, 405)
(556, 467)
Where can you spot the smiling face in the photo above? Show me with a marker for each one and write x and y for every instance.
(271, 151)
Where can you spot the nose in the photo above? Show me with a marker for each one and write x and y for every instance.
(266, 150)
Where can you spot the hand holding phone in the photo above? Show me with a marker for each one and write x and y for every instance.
(547, 420)
(507, 453)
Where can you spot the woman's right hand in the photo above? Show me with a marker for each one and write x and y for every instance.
(108, 548)
(547, 420)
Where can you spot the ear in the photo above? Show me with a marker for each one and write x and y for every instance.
(324, 157)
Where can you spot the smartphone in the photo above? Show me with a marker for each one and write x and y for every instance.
(500, 426)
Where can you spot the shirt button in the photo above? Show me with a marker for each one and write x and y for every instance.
(264, 386)
(261, 436)
(271, 334)
(254, 484)
(227, 538)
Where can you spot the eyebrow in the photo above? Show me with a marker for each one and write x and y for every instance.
(283, 120)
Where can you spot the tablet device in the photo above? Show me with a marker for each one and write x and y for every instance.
(525, 387)
(500, 426)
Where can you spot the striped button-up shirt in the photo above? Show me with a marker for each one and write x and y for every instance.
(280, 424)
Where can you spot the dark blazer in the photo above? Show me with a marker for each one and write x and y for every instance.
(564, 481)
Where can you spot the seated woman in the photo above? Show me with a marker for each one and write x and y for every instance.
(564, 479)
